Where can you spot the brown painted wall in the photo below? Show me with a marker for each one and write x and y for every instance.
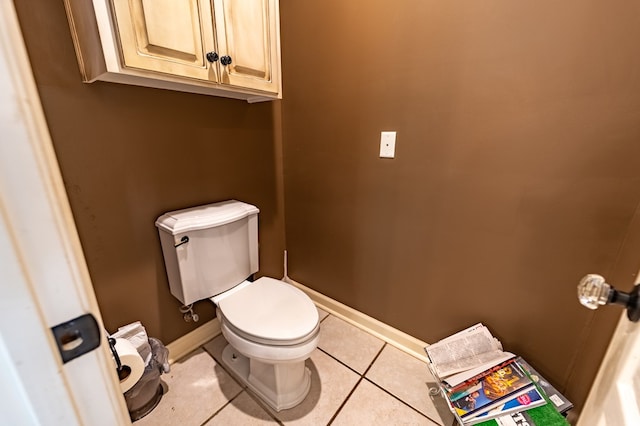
(516, 170)
(517, 133)
(129, 154)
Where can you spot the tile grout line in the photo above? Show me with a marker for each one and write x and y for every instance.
(398, 399)
(356, 385)
(232, 378)
(345, 364)
(264, 407)
(339, 362)
(327, 316)
(221, 408)
(375, 358)
(362, 376)
(388, 392)
(243, 389)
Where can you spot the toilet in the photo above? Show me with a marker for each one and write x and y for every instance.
(271, 327)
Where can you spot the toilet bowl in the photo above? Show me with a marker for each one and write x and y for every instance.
(272, 328)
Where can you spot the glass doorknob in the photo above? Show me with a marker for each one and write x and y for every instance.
(594, 291)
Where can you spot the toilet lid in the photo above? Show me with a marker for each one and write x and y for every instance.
(270, 310)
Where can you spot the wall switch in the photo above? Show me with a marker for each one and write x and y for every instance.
(387, 144)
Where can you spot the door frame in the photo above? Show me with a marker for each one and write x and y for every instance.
(43, 275)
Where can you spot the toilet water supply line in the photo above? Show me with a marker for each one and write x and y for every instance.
(188, 314)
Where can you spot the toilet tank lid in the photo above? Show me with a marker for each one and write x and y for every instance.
(206, 216)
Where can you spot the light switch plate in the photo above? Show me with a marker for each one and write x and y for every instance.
(387, 144)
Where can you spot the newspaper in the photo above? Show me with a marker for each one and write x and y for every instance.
(465, 354)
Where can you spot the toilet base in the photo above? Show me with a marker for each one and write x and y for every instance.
(281, 385)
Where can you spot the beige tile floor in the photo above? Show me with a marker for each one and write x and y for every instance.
(356, 378)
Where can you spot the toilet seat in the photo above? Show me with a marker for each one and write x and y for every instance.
(269, 312)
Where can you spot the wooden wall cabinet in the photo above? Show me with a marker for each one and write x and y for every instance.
(225, 48)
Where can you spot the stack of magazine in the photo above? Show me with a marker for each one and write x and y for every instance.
(479, 380)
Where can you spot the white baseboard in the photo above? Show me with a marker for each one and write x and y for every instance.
(409, 344)
(193, 340)
(394, 337)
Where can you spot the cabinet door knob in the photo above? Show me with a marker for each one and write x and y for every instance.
(212, 57)
(225, 60)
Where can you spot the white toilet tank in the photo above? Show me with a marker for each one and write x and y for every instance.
(209, 249)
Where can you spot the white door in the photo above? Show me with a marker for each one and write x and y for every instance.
(614, 399)
(43, 276)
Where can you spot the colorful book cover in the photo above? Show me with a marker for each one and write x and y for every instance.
(561, 403)
(522, 418)
(469, 390)
(462, 389)
(545, 415)
(532, 398)
(494, 389)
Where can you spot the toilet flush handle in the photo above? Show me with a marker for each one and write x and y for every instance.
(183, 240)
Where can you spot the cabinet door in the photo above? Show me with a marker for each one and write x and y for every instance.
(247, 31)
(167, 36)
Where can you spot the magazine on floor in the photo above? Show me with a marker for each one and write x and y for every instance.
(526, 401)
(493, 390)
(466, 354)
